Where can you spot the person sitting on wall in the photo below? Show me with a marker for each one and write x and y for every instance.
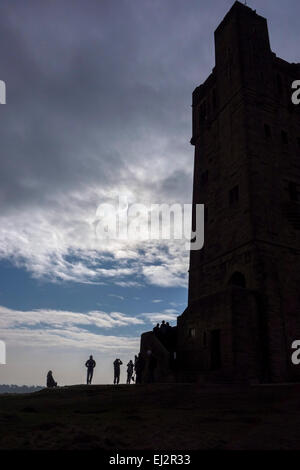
(156, 329)
(163, 328)
(50, 380)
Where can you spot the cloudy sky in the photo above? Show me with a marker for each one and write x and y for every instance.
(98, 106)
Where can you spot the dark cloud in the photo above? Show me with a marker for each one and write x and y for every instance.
(85, 83)
(99, 94)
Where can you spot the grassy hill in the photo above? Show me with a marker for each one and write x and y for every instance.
(157, 416)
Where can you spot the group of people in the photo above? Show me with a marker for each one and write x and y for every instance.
(163, 329)
(134, 369)
(137, 367)
(91, 364)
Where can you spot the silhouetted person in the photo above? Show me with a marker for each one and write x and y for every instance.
(163, 328)
(167, 337)
(156, 329)
(117, 364)
(90, 364)
(129, 371)
(50, 380)
(151, 366)
(139, 367)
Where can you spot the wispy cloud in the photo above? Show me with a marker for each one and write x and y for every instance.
(169, 315)
(116, 296)
(73, 339)
(56, 328)
(63, 319)
(60, 245)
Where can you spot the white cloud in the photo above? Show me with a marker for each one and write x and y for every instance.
(166, 275)
(59, 243)
(73, 338)
(10, 319)
(177, 304)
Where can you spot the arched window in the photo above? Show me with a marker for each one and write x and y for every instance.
(237, 279)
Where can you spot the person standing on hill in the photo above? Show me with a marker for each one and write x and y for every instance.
(90, 364)
(117, 370)
(129, 371)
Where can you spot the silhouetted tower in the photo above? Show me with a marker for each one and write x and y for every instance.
(244, 301)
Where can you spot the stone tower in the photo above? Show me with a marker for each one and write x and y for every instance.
(244, 286)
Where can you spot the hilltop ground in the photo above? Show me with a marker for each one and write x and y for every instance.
(157, 416)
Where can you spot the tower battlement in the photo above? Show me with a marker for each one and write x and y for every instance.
(244, 303)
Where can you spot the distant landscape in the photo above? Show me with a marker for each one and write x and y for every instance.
(5, 388)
